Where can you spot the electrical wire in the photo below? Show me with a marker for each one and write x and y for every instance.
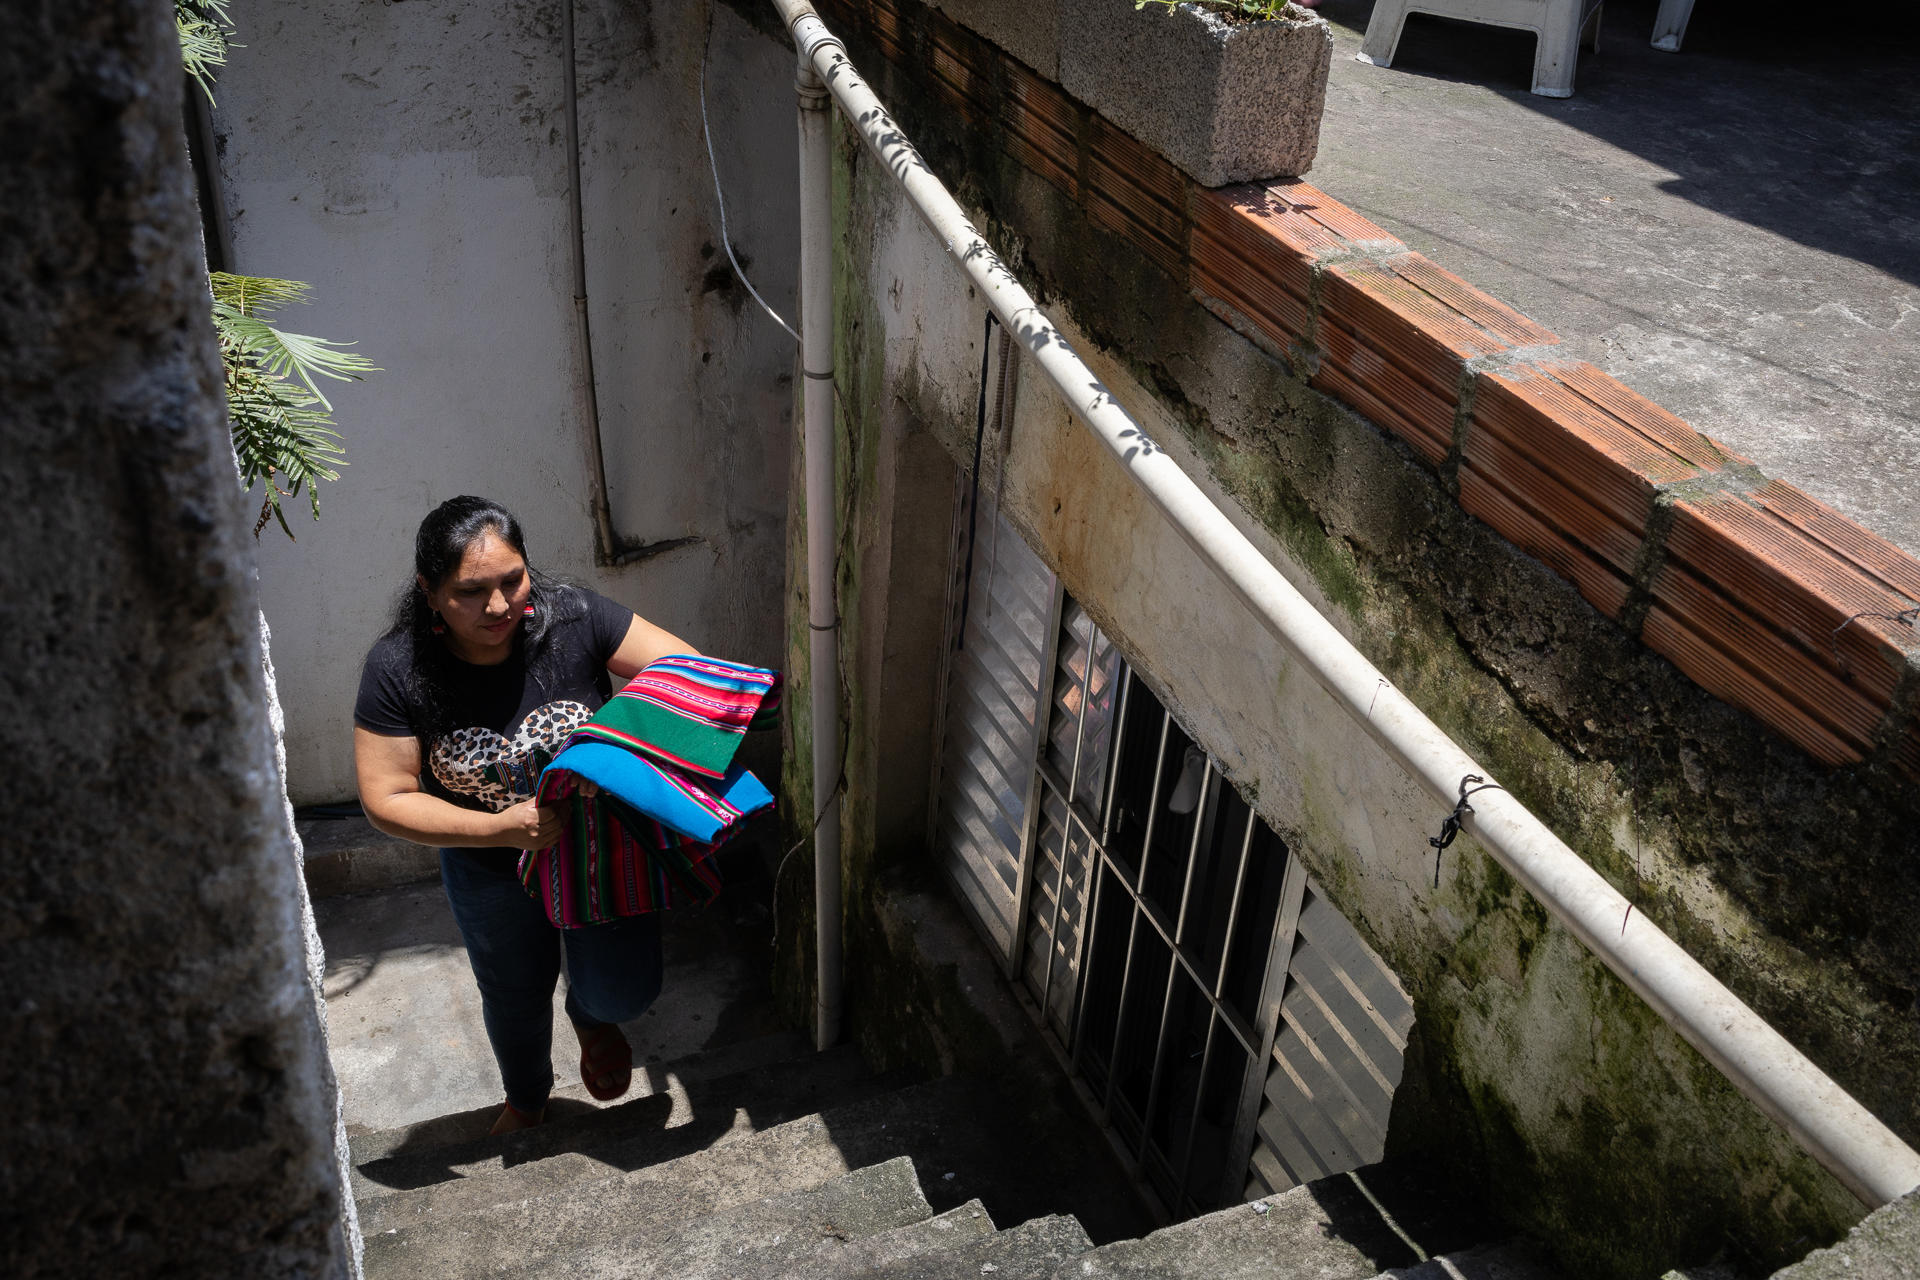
(706, 132)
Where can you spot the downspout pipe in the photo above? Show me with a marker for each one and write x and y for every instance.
(823, 623)
(1866, 1156)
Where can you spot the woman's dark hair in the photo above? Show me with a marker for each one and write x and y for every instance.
(445, 536)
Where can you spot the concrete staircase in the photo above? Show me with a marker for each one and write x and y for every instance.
(766, 1160)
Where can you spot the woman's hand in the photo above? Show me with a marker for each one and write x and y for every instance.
(527, 825)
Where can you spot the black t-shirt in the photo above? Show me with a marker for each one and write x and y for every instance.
(511, 718)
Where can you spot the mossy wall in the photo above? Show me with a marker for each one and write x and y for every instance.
(1533, 1072)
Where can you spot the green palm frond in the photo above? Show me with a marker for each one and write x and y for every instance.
(282, 426)
(257, 294)
(283, 436)
(205, 33)
(284, 354)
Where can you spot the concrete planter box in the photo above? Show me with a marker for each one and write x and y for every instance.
(1028, 31)
(1227, 102)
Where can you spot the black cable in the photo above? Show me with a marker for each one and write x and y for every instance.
(1451, 827)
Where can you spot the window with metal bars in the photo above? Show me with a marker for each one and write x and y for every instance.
(1237, 1034)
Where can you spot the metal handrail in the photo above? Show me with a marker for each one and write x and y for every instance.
(1864, 1154)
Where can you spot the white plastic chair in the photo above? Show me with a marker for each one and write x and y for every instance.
(1670, 28)
(1557, 24)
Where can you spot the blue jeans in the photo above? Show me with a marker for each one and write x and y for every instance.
(613, 970)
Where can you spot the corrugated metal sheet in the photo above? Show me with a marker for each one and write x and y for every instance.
(990, 726)
(1337, 1056)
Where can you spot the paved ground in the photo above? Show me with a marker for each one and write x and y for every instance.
(404, 1017)
(1733, 231)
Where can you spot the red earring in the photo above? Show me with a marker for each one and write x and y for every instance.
(439, 625)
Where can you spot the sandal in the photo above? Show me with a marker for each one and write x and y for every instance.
(513, 1119)
(606, 1056)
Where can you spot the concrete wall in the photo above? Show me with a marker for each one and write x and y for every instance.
(1533, 1073)
(408, 160)
(169, 1107)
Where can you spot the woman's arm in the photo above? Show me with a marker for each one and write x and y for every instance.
(644, 643)
(387, 769)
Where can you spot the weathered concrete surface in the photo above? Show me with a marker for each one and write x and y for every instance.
(1226, 102)
(890, 1251)
(164, 1066)
(1551, 1089)
(1030, 32)
(1730, 231)
(407, 1039)
(311, 950)
(762, 1236)
(1033, 1250)
(661, 1093)
(582, 1143)
(647, 1202)
(1326, 1231)
(639, 1213)
(346, 855)
(409, 161)
(1885, 1246)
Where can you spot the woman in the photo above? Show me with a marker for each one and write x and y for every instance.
(488, 666)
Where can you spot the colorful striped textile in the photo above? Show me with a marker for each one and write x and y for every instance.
(689, 712)
(645, 840)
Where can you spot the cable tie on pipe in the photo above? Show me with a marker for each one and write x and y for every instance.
(1451, 827)
(814, 626)
(818, 377)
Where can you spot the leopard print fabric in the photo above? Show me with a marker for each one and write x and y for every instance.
(500, 772)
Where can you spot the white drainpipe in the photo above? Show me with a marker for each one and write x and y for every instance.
(1865, 1155)
(816, 367)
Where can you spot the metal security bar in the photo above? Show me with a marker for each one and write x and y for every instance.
(1237, 1031)
(1177, 957)
(1072, 776)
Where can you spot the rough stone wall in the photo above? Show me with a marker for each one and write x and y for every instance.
(312, 950)
(1533, 1072)
(169, 1112)
(1885, 1246)
(409, 161)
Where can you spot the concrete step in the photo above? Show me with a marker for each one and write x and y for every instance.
(696, 1118)
(779, 1074)
(759, 1238)
(1512, 1260)
(464, 1127)
(346, 855)
(1327, 1230)
(445, 1230)
(837, 1259)
(1034, 1250)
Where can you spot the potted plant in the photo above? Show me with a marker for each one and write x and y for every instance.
(1229, 90)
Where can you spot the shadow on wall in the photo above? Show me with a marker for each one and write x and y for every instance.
(1800, 121)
